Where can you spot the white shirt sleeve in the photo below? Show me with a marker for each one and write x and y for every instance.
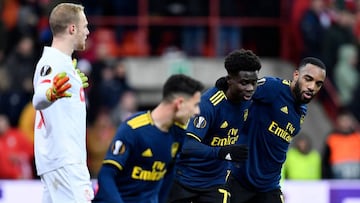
(39, 99)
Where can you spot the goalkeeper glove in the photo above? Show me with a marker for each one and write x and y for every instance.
(234, 152)
(84, 78)
(59, 87)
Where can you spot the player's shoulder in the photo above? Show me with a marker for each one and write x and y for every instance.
(213, 97)
(272, 81)
(139, 119)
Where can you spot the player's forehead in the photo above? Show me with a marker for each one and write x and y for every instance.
(82, 18)
(246, 75)
(313, 71)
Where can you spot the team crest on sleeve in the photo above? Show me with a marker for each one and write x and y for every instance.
(302, 119)
(45, 70)
(118, 147)
(261, 81)
(174, 149)
(199, 122)
(246, 114)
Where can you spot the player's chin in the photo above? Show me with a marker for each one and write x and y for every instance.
(81, 47)
(306, 100)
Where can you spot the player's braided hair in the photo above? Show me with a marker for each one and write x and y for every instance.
(236, 61)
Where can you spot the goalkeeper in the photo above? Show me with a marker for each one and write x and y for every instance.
(210, 144)
(60, 123)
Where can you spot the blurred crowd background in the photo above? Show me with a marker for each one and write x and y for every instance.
(282, 29)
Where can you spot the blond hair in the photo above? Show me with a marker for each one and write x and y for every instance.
(63, 15)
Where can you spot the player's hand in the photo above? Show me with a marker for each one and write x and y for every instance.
(59, 87)
(84, 78)
(234, 152)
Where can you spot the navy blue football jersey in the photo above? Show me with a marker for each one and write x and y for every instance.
(274, 119)
(142, 154)
(218, 124)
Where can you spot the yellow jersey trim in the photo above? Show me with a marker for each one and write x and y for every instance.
(217, 97)
(112, 162)
(140, 121)
(194, 136)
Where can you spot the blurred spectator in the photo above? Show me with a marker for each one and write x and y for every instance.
(12, 103)
(346, 75)
(297, 10)
(313, 24)
(4, 82)
(20, 65)
(9, 13)
(107, 91)
(27, 121)
(302, 161)
(341, 158)
(99, 136)
(16, 157)
(126, 106)
(354, 105)
(3, 34)
(193, 38)
(229, 37)
(113, 85)
(27, 18)
(339, 33)
(102, 60)
(112, 8)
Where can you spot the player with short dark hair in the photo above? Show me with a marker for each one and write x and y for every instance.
(146, 144)
(275, 117)
(202, 166)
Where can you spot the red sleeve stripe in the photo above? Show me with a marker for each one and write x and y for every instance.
(46, 81)
(41, 122)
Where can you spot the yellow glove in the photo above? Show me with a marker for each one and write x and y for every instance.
(84, 78)
(59, 87)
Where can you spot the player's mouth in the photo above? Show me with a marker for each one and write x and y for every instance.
(247, 96)
(308, 95)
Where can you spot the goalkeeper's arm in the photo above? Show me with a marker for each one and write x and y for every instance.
(48, 91)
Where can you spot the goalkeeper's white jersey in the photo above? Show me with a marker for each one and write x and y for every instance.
(60, 126)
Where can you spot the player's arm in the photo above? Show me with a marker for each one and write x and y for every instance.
(49, 89)
(113, 165)
(193, 147)
(107, 185)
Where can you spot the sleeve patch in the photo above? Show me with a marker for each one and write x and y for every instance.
(45, 70)
(118, 147)
(199, 122)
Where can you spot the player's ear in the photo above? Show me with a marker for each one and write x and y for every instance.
(178, 102)
(296, 74)
(72, 29)
(228, 78)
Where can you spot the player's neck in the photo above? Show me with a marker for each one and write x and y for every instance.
(163, 117)
(62, 45)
